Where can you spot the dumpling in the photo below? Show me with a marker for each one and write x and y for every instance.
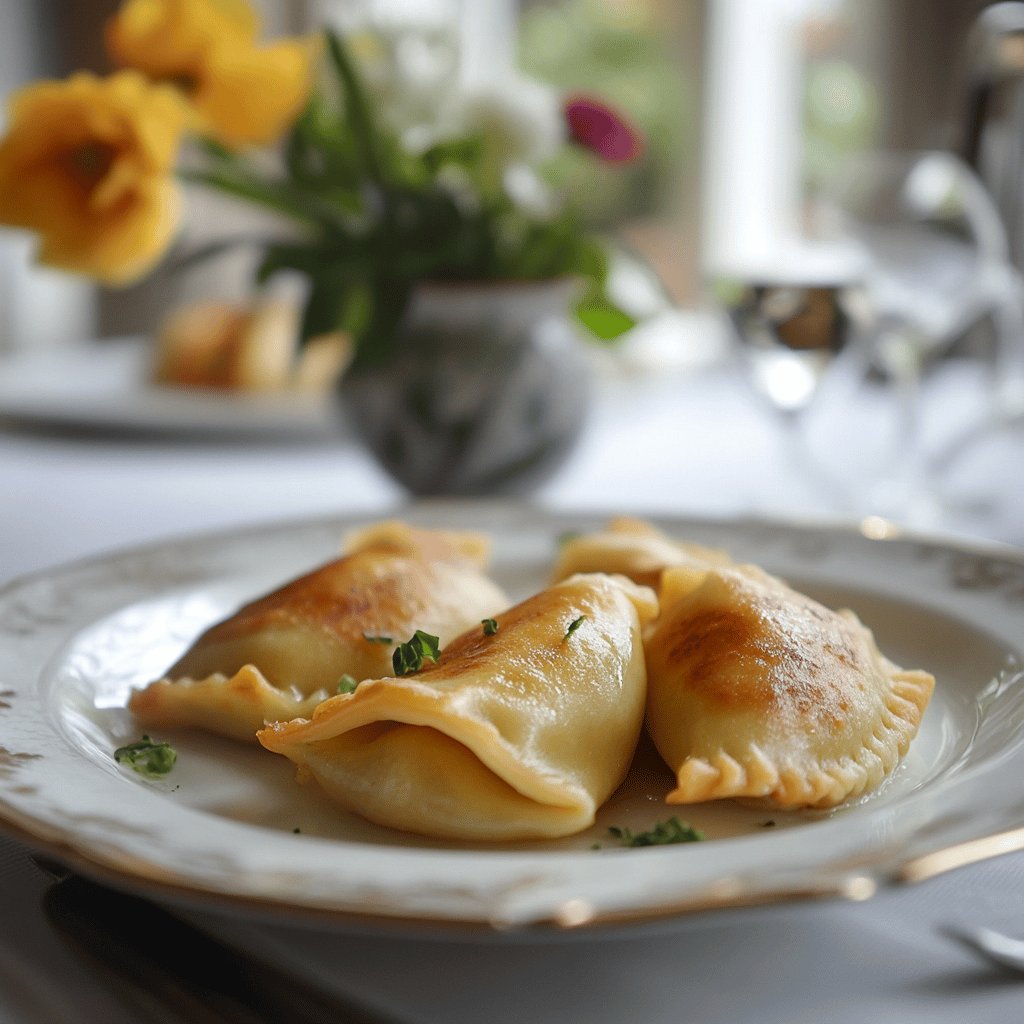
(633, 548)
(517, 733)
(756, 690)
(282, 654)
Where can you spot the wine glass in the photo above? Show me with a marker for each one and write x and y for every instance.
(795, 325)
(935, 263)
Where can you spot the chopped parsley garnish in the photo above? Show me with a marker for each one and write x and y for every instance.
(663, 833)
(371, 639)
(490, 626)
(146, 757)
(347, 684)
(410, 656)
(574, 625)
(568, 535)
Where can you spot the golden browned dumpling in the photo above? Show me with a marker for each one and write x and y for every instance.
(522, 729)
(282, 654)
(633, 548)
(756, 690)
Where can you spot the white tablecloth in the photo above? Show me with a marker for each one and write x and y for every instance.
(690, 441)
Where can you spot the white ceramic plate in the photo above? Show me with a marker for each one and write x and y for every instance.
(230, 825)
(105, 386)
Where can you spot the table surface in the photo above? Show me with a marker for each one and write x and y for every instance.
(685, 438)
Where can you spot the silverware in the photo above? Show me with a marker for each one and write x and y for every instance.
(992, 946)
(170, 972)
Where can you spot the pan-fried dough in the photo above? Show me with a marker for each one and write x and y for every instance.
(283, 653)
(633, 548)
(756, 690)
(517, 734)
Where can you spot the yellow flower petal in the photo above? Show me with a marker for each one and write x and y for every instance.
(251, 95)
(242, 94)
(169, 39)
(132, 240)
(87, 164)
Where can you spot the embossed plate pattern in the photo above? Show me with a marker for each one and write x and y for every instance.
(230, 824)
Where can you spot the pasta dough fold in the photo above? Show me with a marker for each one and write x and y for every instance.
(634, 548)
(280, 655)
(756, 690)
(516, 733)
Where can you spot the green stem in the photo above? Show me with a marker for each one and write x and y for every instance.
(356, 108)
(282, 197)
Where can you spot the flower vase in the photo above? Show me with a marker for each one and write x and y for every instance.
(483, 391)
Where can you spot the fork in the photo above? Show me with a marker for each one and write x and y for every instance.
(992, 946)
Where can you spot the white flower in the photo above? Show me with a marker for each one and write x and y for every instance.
(460, 186)
(519, 119)
(409, 74)
(530, 193)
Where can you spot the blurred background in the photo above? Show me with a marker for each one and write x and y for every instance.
(806, 307)
(856, 74)
(826, 207)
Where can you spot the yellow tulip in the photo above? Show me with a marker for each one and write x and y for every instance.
(242, 93)
(87, 164)
(170, 39)
(251, 95)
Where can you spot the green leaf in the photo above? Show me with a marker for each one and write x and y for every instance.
(324, 309)
(464, 152)
(591, 259)
(663, 834)
(215, 150)
(281, 196)
(357, 109)
(312, 259)
(390, 298)
(347, 684)
(602, 318)
(410, 656)
(303, 157)
(574, 625)
(358, 309)
(490, 626)
(373, 639)
(146, 757)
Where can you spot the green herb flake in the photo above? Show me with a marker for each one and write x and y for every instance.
(568, 535)
(663, 834)
(347, 684)
(371, 639)
(410, 656)
(768, 824)
(490, 626)
(296, 831)
(574, 625)
(147, 758)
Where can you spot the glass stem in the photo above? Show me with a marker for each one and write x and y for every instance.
(832, 495)
(907, 495)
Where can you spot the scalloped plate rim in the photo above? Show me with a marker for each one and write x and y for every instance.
(853, 874)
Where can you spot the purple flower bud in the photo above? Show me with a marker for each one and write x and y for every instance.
(595, 126)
